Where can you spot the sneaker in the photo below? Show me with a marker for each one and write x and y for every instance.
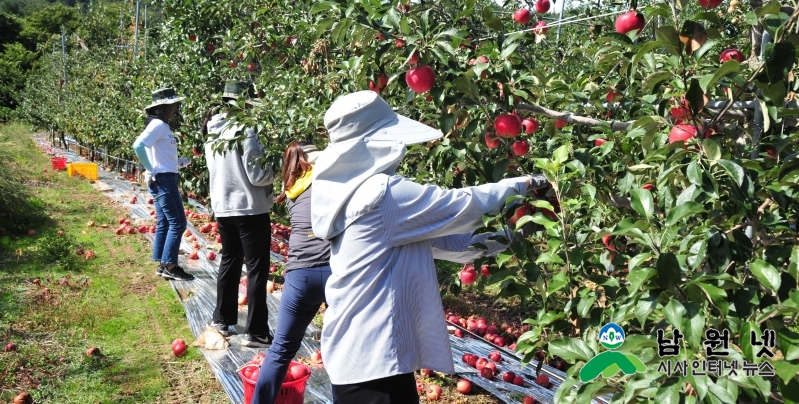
(176, 273)
(159, 271)
(251, 341)
(223, 329)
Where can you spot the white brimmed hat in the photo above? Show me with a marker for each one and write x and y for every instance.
(366, 138)
(164, 96)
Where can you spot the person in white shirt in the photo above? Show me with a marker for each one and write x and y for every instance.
(385, 318)
(157, 151)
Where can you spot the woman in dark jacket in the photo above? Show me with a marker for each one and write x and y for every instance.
(306, 273)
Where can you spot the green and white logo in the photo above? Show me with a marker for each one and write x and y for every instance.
(608, 363)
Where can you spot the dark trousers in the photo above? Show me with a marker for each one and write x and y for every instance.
(244, 237)
(399, 389)
(303, 293)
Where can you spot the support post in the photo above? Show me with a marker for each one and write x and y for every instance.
(560, 18)
(136, 32)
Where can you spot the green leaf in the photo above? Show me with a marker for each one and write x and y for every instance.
(788, 343)
(557, 283)
(711, 149)
(642, 202)
(793, 265)
(784, 369)
(680, 212)
(675, 314)
(668, 270)
(668, 394)
(636, 261)
(766, 274)
(639, 276)
(651, 81)
(571, 349)
(695, 96)
(726, 68)
(670, 38)
(748, 351)
(694, 173)
(561, 154)
(502, 258)
(696, 254)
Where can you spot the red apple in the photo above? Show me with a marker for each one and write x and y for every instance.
(630, 21)
(495, 356)
(142, 229)
(528, 400)
(433, 392)
(458, 333)
(93, 351)
(193, 255)
(299, 371)
(484, 271)
(682, 133)
(520, 212)
(542, 380)
(541, 28)
(508, 376)
(414, 59)
(11, 347)
(731, 54)
(179, 347)
(242, 300)
(487, 373)
(211, 255)
(420, 79)
(399, 43)
(648, 187)
(708, 4)
(520, 147)
(90, 223)
(560, 123)
(518, 380)
(187, 233)
(606, 240)
(507, 126)
(419, 386)
(89, 255)
(522, 16)
(464, 386)
(426, 372)
(542, 6)
(316, 356)
(481, 363)
(468, 275)
(492, 141)
(31, 232)
(613, 96)
(258, 358)
(530, 125)
(192, 37)
(218, 238)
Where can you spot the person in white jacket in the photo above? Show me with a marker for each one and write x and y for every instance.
(385, 318)
(241, 200)
(157, 151)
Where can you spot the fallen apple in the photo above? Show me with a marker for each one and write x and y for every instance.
(508, 376)
(242, 300)
(433, 392)
(10, 347)
(179, 347)
(542, 380)
(93, 351)
(464, 386)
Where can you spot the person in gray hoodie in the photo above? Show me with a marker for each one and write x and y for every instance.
(241, 199)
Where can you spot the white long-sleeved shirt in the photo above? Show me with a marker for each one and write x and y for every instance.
(385, 316)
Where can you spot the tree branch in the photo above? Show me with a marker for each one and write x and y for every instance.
(571, 118)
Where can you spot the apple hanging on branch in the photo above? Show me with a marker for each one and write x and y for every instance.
(630, 21)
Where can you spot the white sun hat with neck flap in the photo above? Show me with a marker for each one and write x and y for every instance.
(366, 138)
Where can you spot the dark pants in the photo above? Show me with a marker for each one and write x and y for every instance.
(244, 237)
(399, 389)
(171, 217)
(303, 293)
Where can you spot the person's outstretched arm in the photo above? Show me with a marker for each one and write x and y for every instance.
(414, 212)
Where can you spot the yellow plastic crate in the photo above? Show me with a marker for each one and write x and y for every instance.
(88, 170)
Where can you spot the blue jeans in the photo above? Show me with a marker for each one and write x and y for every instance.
(171, 217)
(303, 292)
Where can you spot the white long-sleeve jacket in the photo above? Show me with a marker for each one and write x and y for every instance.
(385, 316)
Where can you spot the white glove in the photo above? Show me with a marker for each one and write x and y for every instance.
(537, 182)
(183, 162)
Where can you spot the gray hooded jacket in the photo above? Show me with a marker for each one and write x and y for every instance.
(238, 187)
